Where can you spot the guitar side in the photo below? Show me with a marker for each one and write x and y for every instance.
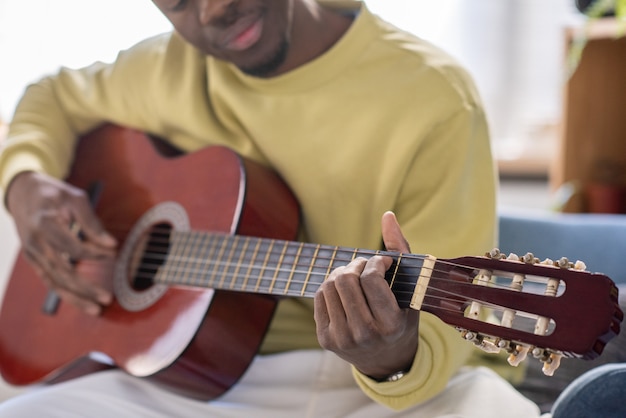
(195, 341)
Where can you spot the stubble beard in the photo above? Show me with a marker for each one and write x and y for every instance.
(271, 64)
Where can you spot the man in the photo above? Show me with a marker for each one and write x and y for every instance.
(359, 118)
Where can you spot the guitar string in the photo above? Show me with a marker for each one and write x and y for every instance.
(198, 278)
(203, 264)
(162, 254)
(227, 265)
(451, 297)
(343, 250)
(361, 251)
(463, 304)
(460, 297)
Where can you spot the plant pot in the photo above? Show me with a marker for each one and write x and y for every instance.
(582, 6)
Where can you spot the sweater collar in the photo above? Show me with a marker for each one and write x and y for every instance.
(319, 70)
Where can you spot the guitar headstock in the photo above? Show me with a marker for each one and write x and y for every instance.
(548, 309)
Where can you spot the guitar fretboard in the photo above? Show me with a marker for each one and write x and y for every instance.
(268, 266)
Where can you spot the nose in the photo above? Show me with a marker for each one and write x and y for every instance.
(210, 11)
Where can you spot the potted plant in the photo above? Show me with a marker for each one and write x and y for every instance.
(594, 10)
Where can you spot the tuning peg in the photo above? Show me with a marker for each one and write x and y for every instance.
(550, 365)
(564, 263)
(513, 257)
(530, 258)
(518, 355)
(495, 254)
(479, 341)
(551, 360)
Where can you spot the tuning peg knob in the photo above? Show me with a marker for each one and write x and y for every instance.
(530, 258)
(495, 253)
(551, 364)
(480, 341)
(513, 257)
(564, 263)
(518, 355)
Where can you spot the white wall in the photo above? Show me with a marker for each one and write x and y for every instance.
(38, 36)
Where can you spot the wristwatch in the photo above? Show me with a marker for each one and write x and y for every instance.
(395, 376)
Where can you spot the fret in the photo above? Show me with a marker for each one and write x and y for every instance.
(311, 263)
(261, 270)
(251, 264)
(409, 270)
(210, 248)
(239, 280)
(292, 272)
(192, 272)
(286, 267)
(219, 263)
(277, 266)
(234, 241)
(321, 266)
(395, 268)
(355, 253)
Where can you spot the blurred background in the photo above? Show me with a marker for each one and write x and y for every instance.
(513, 48)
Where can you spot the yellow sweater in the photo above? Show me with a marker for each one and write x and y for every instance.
(382, 121)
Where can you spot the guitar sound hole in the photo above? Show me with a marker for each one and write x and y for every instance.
(150, 255)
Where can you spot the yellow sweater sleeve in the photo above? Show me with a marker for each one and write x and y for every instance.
(437, 357)
(458, 218)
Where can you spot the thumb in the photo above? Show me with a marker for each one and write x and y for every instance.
(392, 234)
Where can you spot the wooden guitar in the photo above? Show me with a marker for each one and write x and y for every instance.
(203, 262)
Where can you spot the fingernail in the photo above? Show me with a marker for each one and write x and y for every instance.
(93, 310)
(105, 299)
(109, 240)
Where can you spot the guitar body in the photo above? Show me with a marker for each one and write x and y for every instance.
(195, 341)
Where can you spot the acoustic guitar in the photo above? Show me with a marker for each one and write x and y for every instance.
(203, 262)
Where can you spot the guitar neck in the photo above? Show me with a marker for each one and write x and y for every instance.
(546, 313)
(260, 265)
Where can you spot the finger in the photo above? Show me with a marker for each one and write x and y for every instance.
(330, 315)
(348, 287)
(320, 312)
(86, 224)
(64, 240)
(380, 298)
(332, 301)
(392, 234)
(354, 302)
(57, 271)
(84, 304)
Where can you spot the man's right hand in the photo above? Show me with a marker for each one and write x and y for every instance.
(48, 215)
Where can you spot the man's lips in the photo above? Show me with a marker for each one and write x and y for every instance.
(243, 34)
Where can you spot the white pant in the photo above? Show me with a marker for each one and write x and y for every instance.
(291, 385)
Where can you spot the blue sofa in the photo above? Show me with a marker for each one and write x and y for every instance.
(599, 241)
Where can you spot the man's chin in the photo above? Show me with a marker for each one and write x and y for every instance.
(270, 66)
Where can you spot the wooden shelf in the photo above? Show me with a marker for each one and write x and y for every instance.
(592, 145)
